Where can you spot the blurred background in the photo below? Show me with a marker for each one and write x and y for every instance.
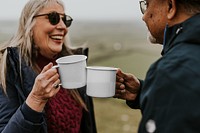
(116, 36)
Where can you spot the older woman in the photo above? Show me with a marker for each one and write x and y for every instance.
(29, 100)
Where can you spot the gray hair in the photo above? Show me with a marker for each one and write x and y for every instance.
(23, 39)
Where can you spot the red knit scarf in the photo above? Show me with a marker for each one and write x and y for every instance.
(63, 112)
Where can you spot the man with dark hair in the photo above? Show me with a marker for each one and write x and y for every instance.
(169, 97)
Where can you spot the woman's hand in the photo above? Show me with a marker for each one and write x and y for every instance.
(43, 88)
(127, 86)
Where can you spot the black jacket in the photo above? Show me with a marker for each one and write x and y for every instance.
(13, 109)
(170, 95)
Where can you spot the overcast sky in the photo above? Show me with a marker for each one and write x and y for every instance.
(82, 9)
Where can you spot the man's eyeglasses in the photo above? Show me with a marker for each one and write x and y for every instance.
(143, 6)
(54, 18)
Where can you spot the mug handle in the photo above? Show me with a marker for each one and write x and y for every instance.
(55, 67)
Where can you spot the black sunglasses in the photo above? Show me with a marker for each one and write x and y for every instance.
(54, 18)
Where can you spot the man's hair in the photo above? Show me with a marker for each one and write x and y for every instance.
(190, 6)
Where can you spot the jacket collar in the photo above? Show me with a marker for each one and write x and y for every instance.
(186, 32)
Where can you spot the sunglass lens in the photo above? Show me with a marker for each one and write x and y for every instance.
(54, 18)
(67, 22)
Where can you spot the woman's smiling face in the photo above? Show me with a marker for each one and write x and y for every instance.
(47, 37)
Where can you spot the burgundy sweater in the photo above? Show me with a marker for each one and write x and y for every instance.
(63, 112)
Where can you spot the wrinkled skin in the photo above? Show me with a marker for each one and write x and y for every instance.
(127, 86)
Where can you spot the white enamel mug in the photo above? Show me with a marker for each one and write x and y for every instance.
(101, 81)
(72, 71)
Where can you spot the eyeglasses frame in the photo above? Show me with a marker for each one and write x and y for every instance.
(143, 6)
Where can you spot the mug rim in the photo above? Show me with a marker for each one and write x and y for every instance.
(102, 68)
(60, 60)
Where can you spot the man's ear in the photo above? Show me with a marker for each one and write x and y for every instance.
(171, 9)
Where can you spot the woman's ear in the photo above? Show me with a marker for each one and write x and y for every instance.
(171, 9)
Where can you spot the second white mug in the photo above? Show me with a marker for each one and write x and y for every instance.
(101, 81)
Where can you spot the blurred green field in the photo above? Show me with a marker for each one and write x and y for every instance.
(117, 44)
